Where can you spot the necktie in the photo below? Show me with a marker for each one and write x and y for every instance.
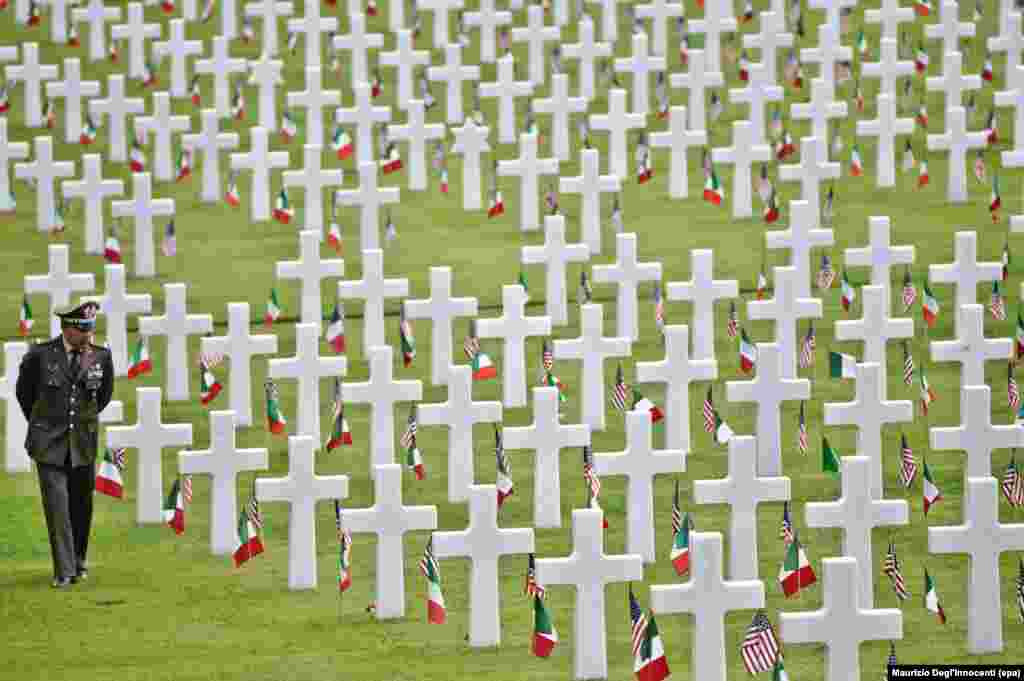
(74, 363)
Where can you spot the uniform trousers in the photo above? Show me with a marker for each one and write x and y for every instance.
(67, 503)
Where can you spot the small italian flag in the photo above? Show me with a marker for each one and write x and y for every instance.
(88, 135)
(649, 662)
(641, 403)
(444, 180)
(483, 367)
(414, 461)
(829, 459)
(167, 6)
(995, 202)
(289, 128)
(929, 306)
(334, 237)
(140, 362)
(497, 206)
(723, 433)
(26, 321)
(341, 142)
(108, 478)
(283, 211)
(436, 610)
(931, 597)
(931, 492)
(408, 341)
(922, 174)
(137, 158)
(856, 165)
(927, 395)
(923, 7)
(276, 421)
(796, 572)
(112, 250)
(680, 555)
(393, 163)
(842, 365)
(340, 434)
(762, 285)
(174, 509)
(184, 165)
(849, 293)
(5, 102)
(713, 191)
(748, 353)
(545, 637)
(273, 309)
(249, 543)
(231, 195)
(197, 97)
(209, 386)
(336, 329)
(553, 381)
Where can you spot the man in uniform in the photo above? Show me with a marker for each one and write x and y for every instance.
(63, 385)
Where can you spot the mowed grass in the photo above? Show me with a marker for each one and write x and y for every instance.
(162, 607)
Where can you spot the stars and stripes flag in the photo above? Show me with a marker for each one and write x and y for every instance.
(908, 465)
(409, 436)
(1012, 392)
(997, 304)
(760, 648)
(909, 291)
(593, 481)
(733, 325)
(709, 413)
(786, 529)
(891, 568)
(677, 513)
(547, 357)
(1013, 484)
(639, 622)
(620, 391)
(531, 588)
(471, 345)
(253, 509)
(807, 348)
(826, 275)
(908, 364)
(186, 489)
(802, 431)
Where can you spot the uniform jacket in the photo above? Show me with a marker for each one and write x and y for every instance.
(62, 410)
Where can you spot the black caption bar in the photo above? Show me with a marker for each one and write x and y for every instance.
(952, 672)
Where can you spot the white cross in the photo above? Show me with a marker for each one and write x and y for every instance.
(875, 328)
(743, 490)
(678, 140)
(142, 208)
(308, 368)
(628, 273)
(833, 8)
(390, 519)
(758, 92)
(162, 125)
(857, 513)
(528, 167)
(31, 72)
(641, 64)
(223, 461)
(590, 184)
(116, 303)
(514, 327)
(177, 326)
(44, 171)
(179, 50)
(488, 19)
(302, 488)
(842, 624)
(417, 133)
(590, 570)
(505, 89)
(717, 20)
(592, 348)
(136, 31)
(11, 151)
(210, 142)
(369, 197)
(880, 255)
(885, 128)
(869, 412)
(965, 272)
(890, 15)
(240, 346)
(221, 66)
(313, 178)
(261, 161)
(769, 389)
(359, 43)
(677, 371)
(1006, 9)
(1013, 97)
(460, 413)
(889, 68)
(471, 143)
(266, 74)
(93, 190)
(535, 34)
(454, 74)
(555, 255)
(59, 283)
(441, 309)
(97, 13)
(228, 19)
(405, 59)
(269, 11)
(16, 459)
(786, 309)
(826, 55)
(949, 29)
(768, 40)
(311, 271)
(957, 141)
(697, 81)
(382, 392)
(73, 89)
(312, 25)
(813, 169)
(117, 108)
(365, 116)
(547, 436)
(586, 51)
(313, 99)
(660, 12)
(1012, 43)
(59, 20)
(823, 107)
(618, 122)
(976, 436)
(745, 150)
(970, 347)
(440, 8)
(952, 82)
(609, 20)
(702, 290)
(484, 543)
(560, 106)
(983, 538)
(709, 597)
(374, 289)
(150, 435)
(640, 463)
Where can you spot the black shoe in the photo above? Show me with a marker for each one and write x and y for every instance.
(61, 582)
(83, 574)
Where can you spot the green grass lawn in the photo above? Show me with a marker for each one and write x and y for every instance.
(161, 607)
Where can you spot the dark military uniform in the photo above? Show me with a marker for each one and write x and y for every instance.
(61, 392)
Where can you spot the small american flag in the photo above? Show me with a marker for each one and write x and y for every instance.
(547, 358)
(1013, 484)
(588, 473)
(786, 529)
(428, 565)
(186, 489)
(253, 512)
(826, 275)
(639, 621)
(908, 364)
(709, 413)
(908, 466)
(471, 345)
(409, 436)
(1012, 392)
(807, 349)
(677, 514)
(659, 308)
(170, 243)
(733, 327)
(531, 588)
(760, 649)
(620, 391)
(997, 304)
(891, 568)
(802, 429)
(118, 456)
(909, 292)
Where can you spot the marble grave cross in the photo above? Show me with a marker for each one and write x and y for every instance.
(365, 116)
(405, 60)
(559, 105)
(136, 31)
(702, 290)
(880, 255)
(660, 12)
(785, 310)
(976, 435)
(417, 132)
(116, 107)
(310, 270)
(768, 40)
(514, 327)
(440, 8)
(949, 29)
(528, 168)
(609, 20)
(717, 20)
(758, 92)
(813, 169)
(359, 43)
(535, 34)
(265, 73)
(307, 367)
(889, 68)
(210, 141)
(116, 304)
(142, 208)
(314, 99)
(1012, 43)
(313, 179)
(802, 236)
(32, 73)
(179, 51)
(177, 325)
(59, 283)
(374, 289)
(269, 11)
(627, 273)
(441, 309)
(697, 80)
(73, 90)
(875, 328)
(470, 143)
(311, 25)
(16, 151)
(678, 140)
(369, 197)
(745, 150)
(590, 184)
(617, 123)
(454, 74)
(824, 106)
(833, 10)
(965, 272)
(488, 20)
(16, 459)
(641, 64)
(97, 13)
(93, 190)
(953, 83)
(971, 348)
(221, 66)
(505, 89)
(44, 171)
(586, 51)
(262, 162)
(162, 125)
(555, 255)
(828, 52)
(957, 140)
(890, 15)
